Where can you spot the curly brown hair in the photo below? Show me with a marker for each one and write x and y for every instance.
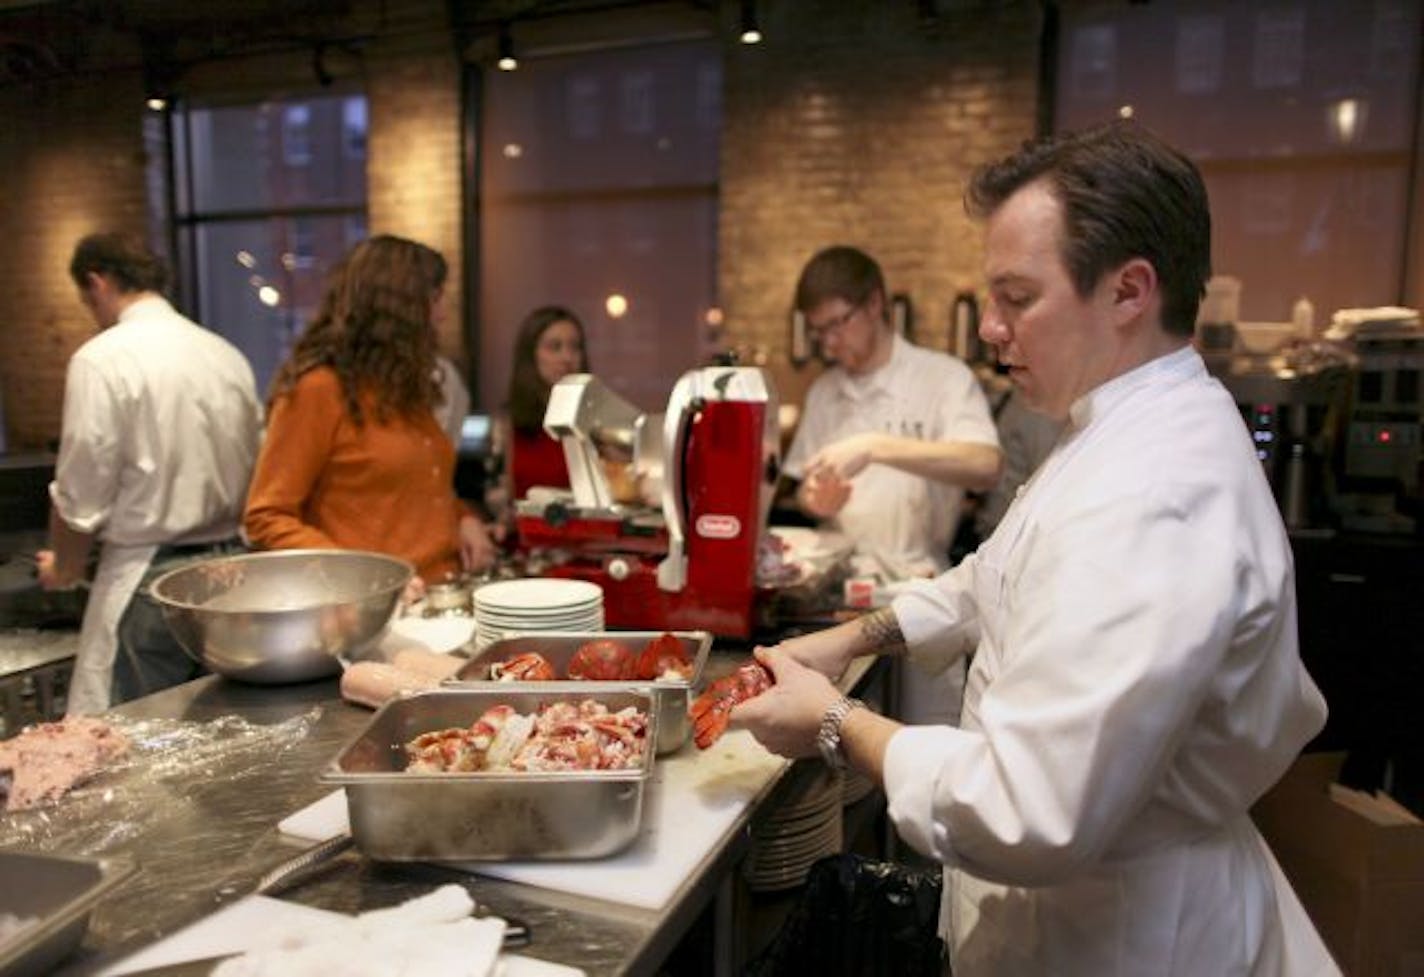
(374, 329)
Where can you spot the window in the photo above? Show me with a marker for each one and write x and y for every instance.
(1300, 115)
(599, 181)
(269, 196)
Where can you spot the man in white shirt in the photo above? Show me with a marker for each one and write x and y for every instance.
(160, 433)
(890, 438)
(1137, 683)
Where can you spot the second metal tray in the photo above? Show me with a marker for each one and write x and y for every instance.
(671, 697)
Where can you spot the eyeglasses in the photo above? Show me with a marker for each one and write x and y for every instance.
(815, 332)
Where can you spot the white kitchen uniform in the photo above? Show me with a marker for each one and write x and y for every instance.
(1137, 686)
(902, 519)
(160, 433)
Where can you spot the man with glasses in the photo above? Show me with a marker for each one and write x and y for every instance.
(891, 437)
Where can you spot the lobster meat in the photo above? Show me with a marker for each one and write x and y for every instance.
(711, 710)
(603, 660)
(527, 667)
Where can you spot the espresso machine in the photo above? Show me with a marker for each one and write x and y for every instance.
(665, 512)
(1292, 410)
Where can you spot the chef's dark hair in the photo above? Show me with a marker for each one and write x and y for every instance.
(1125, 194)
(528, 393)
(121, 257)
(840, 272)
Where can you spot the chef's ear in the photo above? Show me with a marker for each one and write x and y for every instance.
(1135, 290)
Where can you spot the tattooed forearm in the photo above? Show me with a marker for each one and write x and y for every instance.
(880, 630)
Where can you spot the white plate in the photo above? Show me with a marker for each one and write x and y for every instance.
(538, 593)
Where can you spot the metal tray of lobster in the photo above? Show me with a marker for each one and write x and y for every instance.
(402, 809)
(675, 659)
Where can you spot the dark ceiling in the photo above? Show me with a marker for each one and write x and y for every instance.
(50, 39)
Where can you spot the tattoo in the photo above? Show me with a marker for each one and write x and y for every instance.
(881, 631)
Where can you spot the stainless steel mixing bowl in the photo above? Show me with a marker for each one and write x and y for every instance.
(282, 616)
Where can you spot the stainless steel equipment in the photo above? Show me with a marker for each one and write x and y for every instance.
(283, 616)
(1289, 411)
(1383, 459)
(671, 697)
(58, 893)
(443, 817)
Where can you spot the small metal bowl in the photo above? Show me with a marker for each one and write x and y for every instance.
(281, 616)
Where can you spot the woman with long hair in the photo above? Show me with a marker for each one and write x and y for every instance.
(353, 457)
(550, 345)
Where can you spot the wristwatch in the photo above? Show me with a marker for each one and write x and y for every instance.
(828, 737)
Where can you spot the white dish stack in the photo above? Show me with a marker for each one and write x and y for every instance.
(804, 828)
(536, 604)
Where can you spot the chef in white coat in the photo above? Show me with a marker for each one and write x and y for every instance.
(1136, 682)
(160, 432)
(891, 437)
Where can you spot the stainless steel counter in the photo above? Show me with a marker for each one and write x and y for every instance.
(214, 835)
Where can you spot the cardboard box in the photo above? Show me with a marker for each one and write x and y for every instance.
(1361, 882)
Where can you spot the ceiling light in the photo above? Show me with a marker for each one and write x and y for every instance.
(751, 31)
(507, 61)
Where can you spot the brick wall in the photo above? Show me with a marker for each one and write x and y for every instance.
(412, 83)
(73, 164)
(858, 124)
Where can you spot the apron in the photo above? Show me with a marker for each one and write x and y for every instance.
(121, 569)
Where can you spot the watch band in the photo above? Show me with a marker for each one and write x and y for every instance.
(828, 737)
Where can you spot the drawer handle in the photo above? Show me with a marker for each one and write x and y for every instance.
(1347, 578)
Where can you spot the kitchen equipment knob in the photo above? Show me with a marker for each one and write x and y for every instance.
(618, 568)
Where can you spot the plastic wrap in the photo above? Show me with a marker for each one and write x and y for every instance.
(168, 768)
(859, 917)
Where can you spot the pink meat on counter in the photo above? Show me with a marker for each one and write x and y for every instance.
(45, 761)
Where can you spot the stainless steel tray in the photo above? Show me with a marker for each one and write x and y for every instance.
(453, 817)
(672, 697)
(61, 892)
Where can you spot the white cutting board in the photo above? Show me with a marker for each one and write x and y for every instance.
(234, 929)
(693, 798)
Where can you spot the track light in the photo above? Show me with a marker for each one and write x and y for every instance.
(751, 33)
(507, 61)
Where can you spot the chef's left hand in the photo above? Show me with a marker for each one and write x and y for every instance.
(477, 548)
(846, 458)
(786, 717)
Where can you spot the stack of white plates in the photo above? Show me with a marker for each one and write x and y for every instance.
(804, 828)
(536, 604)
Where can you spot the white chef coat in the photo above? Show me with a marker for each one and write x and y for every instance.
(450, 415)
(902, 520)
(1136, 687)
(919, 393)
(160, 433)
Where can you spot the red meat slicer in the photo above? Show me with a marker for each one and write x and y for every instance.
(684, 555)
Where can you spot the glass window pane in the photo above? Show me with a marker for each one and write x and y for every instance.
(599, 180)
(1300, 115)
(655, 254)
(298, 152)
(262, 280)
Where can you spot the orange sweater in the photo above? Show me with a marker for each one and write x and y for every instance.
(324, 483)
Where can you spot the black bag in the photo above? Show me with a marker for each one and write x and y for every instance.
(856, 917)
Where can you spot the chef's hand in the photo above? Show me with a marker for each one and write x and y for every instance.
(822, 494)
(477, 548)
(846, 458)
(827, 652)
(51, 575)
(786, 717)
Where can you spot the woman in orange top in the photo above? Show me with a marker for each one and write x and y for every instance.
(353, 457)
